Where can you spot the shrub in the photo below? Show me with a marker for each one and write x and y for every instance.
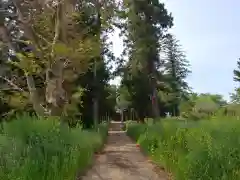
(195, 115)
(204, 150)
(43, 149)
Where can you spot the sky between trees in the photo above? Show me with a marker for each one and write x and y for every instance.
(210, 37)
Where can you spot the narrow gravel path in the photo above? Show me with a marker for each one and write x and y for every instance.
(122, 160)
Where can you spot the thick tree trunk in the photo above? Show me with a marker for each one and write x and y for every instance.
(141, 117)
(55, 93)
(34, 96)
(152, 71)
(155, 104)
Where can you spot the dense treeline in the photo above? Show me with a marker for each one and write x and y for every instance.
(54, 58)
(153, 76)
(57, 65)
(154, 69)
(53, 64)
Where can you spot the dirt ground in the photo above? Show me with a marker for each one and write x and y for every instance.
(122, 160)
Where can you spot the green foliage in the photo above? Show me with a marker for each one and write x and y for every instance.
(144, 23)
(202, 106)
(235, 96)
(204, 150)
(43, 149)
(176, 68)
(123, 100)
(236, 72)
(79, 44)
(195, 115)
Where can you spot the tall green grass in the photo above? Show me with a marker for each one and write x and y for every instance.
(205, 150)
(43, 149)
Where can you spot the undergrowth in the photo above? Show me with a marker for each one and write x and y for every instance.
(204, 150)
(43, 149)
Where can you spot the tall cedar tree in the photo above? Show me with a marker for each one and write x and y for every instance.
(144, 23)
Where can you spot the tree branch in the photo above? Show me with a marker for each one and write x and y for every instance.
(10, 82)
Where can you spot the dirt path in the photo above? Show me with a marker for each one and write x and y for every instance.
(122, 160)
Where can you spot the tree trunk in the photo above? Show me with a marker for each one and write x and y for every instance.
(98, 33)
(55, 93)
(34, 96)
(155, 104)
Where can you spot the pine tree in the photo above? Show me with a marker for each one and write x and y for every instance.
(177, 69)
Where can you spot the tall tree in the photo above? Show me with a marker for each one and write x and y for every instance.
(176, 70)
(58, 51)
(97, 20)
(144, 23)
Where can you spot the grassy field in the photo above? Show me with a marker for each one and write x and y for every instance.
(40, 149)
(204, 150)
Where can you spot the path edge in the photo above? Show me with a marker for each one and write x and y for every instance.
(157, 168)
(96, 154)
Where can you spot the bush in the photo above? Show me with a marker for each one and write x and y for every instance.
(43, 149)
(204, 150)
(126, 124)
(195, 115)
